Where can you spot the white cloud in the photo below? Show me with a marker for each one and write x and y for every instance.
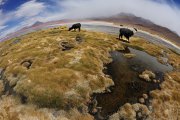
(2, 2)
(159, 12)
(25, 11)
(2, 27)
(30, 9)
(24, 14)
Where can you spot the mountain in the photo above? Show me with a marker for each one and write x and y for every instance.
(120, 19)
(37, 23)
(143, 24)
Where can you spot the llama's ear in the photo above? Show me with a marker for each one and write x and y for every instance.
(135, 29)
(121, 25)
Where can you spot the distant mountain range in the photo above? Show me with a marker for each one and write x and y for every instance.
(143, 24)
(37, 23)
(120, 19)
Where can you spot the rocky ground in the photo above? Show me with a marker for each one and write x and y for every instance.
(51, 74)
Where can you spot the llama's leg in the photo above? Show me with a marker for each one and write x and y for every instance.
(120, 36)
(79, 29)
(128, 38)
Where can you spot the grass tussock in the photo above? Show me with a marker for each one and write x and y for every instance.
(12, 109)
(56, 76)
(65, 79)
(155, 50)
(166, 101)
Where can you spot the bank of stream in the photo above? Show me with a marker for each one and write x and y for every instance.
(128, 86)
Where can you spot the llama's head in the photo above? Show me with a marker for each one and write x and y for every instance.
(134, 30)
(70, 29)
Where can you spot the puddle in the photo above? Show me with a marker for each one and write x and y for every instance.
(66, 46)
(128, 86)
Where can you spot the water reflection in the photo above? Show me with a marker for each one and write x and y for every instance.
(128, 86)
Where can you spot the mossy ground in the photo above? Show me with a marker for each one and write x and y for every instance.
(64, 79)
(58, 78)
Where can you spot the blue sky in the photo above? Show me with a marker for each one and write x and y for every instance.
(15, 14)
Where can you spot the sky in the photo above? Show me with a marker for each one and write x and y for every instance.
(16, 14)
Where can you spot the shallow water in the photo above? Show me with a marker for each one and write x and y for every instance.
(115, 30)
(98, 28)
(128, 86)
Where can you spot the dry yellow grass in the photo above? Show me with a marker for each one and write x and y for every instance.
(66, 79)
(12, 109)
(57, 78)
(156, 50)
(166, 102)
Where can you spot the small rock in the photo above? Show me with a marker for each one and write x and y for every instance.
(145, 96)
(141, 100)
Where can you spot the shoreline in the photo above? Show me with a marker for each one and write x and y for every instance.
(145, 32)
(103, 23)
